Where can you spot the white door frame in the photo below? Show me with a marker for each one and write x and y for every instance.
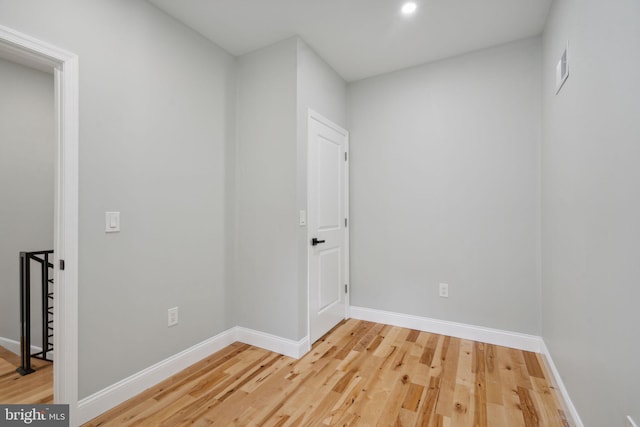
(27, 50)
(313, 115)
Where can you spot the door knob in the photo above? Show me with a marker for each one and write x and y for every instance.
(315, 241)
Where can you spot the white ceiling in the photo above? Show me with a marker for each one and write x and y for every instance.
(362, 38)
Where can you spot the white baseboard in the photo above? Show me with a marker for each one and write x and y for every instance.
(100, 402)
(443, 327)
(295, 349)
(573, 413)
(14, 346)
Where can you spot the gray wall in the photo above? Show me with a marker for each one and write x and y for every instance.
(265, 286)
(591, 206)
(445, 173)
(26, 189)
(276, 87)
(321, 89)
(445, 189)
(155, 103)
(158, 143)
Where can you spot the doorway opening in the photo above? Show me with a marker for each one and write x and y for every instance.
(22, 49)
(27, 144)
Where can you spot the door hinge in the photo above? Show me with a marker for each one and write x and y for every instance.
(346, 222)
(346, 156)
(346, 289)
(61, 264)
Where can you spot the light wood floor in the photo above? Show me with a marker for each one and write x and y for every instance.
(31, 389)
(360, 374)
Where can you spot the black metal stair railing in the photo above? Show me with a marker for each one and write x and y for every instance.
(26, 258)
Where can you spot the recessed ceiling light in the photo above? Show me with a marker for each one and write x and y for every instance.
(409, 8)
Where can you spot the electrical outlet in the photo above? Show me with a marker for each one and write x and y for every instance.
(173, 316)
(444, 290)
(630, 422)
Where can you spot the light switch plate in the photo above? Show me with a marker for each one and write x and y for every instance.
(112, 222)
(303, 218)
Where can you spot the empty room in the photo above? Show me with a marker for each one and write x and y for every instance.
(320, 212)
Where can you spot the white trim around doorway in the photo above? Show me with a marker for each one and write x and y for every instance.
(27, 50)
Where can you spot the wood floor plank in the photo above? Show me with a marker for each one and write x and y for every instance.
(429, 349)
(510, 398)
(292, 396)
(496, 415)
(413, 335)
(531, 362)
(359, 374)
(371, 369)
(450, 357)
(519, 368)
(34, 388)
(480, 385)
(392, 407)
(462, 409)
(547, 403)
(427, 409)
(531, 417)
(493, 381)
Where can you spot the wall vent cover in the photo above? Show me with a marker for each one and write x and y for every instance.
(562, 69)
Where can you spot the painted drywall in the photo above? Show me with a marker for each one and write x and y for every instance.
(276, 87)
(320, 88)
(265, 278)
(27, 141)
(154, 106)
(445, 189)
(591, 206)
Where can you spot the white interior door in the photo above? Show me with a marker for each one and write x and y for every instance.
(328, 198)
